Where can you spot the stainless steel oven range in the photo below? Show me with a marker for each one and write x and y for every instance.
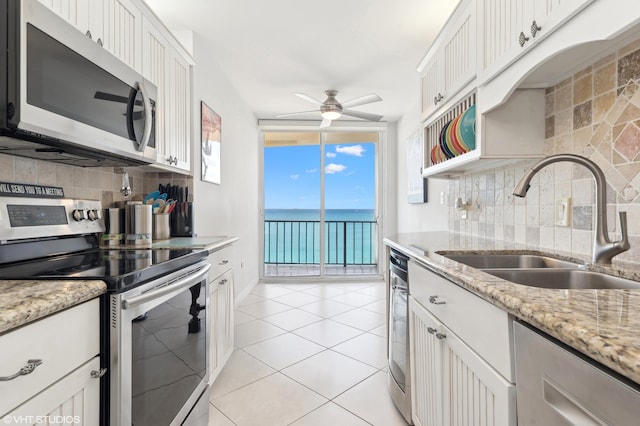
(154, 321)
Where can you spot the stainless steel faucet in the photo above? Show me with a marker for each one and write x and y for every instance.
(603, 248)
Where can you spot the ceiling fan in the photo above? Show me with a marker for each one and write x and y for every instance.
(331, 109)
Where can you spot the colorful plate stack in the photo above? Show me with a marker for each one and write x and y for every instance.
(457, 137)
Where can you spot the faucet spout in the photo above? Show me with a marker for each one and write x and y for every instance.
(603, 248)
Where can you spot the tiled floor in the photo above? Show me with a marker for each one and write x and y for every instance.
(304, 270)
(307, 354)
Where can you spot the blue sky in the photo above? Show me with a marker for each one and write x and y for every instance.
(292, 176)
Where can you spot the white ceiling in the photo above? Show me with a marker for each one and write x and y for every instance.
(270, 49)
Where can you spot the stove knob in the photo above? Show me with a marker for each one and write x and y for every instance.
(79, 215)
(93, 214)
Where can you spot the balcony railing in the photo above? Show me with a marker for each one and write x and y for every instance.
(297, 242)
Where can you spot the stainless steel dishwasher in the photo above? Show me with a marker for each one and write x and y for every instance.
(558, 386)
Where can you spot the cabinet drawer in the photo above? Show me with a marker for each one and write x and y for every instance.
(63, 342)
(484, 327)
(221, 261)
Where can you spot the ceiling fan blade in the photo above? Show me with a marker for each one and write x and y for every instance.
(325, 123)
(366, 99)
(296, 113)
(363, 115)
(308, 98)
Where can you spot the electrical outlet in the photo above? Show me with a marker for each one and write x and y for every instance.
(563, 212)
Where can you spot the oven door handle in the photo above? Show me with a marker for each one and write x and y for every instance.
(159, 292)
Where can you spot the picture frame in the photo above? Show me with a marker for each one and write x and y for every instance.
(211, 141)
(417, 185)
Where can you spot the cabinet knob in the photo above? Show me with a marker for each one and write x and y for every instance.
(27, 369)
(441, 336)
(522, 39)
(432, 330)
(96, 374)
(88, 34)
(535, 28)
(434, 300)
(223, 281)
(437, 98)
(224, 262)
(100, 43)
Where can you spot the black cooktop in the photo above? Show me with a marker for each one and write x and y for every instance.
(121, 269)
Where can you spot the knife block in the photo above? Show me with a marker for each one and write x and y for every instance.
(181, 220)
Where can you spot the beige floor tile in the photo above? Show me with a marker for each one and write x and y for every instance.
(216, 418)
(270, 290)
(380, 331)
(329, 414)
(329, 373)
(254, 332)
(240, 370)
(354, 298)
(264, 309)
(292, 319)
(326, 291)
(326, 308)
(300, 286)
(370, 401)
(284, 350)
(367, 347)
(240, 317)
(327, 333)
(251, 299)
(360, 319)
(379, 307)
(274, 401)
(296, 299)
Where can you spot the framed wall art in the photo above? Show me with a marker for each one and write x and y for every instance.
(211, 140)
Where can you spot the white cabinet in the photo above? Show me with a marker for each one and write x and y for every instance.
(451, 62)
(222, 302)
(509, 29)
(178, 149)
(88, 16)
(461, 355)
(452, 384)
(66, 382)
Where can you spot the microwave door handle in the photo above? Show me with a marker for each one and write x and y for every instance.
(148, 117)
(154, 294)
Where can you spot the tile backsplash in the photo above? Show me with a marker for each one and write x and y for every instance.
(95, 183)
(594, 113)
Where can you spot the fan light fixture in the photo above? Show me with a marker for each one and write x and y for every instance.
(330, 115)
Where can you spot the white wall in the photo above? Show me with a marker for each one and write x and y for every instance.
(430, 216)
(232, 207)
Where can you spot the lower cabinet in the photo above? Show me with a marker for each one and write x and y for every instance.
(452, 384)
(221, 300)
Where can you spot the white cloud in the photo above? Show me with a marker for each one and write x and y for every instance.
(294, 177)
(356, 150)
(331, 154)
(332, 168)
(311, 171)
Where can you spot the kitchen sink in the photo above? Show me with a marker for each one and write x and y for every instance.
(500, 261)
(563, 278)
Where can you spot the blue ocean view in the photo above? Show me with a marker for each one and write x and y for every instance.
(292, 236)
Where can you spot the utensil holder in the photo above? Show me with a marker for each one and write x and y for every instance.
(161, 228)
(182, 220)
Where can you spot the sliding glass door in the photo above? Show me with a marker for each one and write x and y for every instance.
(320, 204)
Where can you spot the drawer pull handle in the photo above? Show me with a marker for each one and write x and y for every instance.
(434, 300)
(522, 39)
(88, 34)
(96, 374)
(224, 262)
(27, 369)
(431, 330)
(441, 336)
(223, 282)
(535, 28)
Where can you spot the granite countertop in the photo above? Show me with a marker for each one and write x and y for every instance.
(24, 301)
(602, 324)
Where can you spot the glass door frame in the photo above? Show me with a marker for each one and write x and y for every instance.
(266, 126)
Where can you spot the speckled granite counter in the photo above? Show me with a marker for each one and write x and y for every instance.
(24, 301)
(603, 324)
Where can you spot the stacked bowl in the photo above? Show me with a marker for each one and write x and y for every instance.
(457, 137)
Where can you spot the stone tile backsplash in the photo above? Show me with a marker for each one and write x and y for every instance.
(94, 183)
(596, 114)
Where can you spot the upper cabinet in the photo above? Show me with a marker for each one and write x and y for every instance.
(133, 34)
(509, 29)
(447, 69)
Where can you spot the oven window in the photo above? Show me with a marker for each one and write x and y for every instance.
(169, 353)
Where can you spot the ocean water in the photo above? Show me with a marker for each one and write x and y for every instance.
(292, 236)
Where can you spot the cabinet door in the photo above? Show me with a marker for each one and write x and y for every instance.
(459, 52)
(548, 15)
(426, 366)
(75, 399)
(213, 346)
(224, 316)
(155, 68)
(475, 394)
(430, 85)
(123, 31)
(179, 119)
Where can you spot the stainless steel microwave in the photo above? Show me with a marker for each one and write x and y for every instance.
(65, 98)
